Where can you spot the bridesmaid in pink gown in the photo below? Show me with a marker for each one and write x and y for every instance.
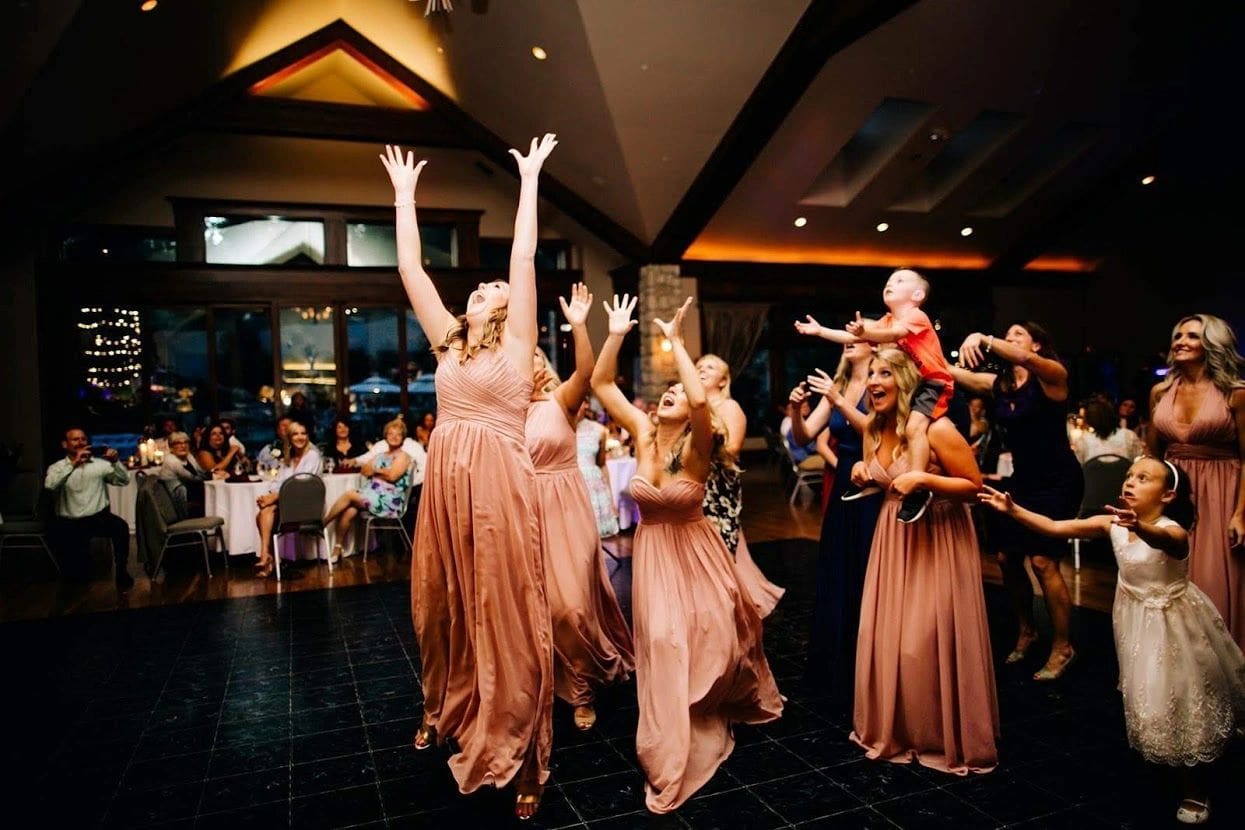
(700, 666)
(924, 676)
(478, 598)
(591, 643)
(1198, 423)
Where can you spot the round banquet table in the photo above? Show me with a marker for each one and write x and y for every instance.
(235, 503)
(621, 470)
(123, 499)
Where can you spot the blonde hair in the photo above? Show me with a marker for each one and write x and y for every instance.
(548, 367)
(726, 371)
(674, 459)
(1223, 362)
(288, 446)
(456, 337)
(906, 379)
(397, 422)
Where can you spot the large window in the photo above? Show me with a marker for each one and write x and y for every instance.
(551, 254)
(244, 387)
(309, 365)
(109, 374)
(271, 240)
(373, 391)
(175, 359)
(118, 243)
(421, 369)
(375, 244)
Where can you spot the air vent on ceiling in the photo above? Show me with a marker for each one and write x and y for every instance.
(887, 129)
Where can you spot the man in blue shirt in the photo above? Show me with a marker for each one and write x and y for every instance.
(81, 505)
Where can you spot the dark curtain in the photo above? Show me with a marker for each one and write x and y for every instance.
(732, 331)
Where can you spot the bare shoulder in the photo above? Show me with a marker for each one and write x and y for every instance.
(1237, 399)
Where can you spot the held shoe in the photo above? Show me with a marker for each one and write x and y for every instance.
(914, 505)
(853, 493)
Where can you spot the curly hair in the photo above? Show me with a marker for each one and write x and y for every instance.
(456, 337)
(1223, 362)
(907, 377)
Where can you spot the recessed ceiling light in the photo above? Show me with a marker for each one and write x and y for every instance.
(1148, 180)
(800, 221)
(966, 231)
(539, 53)
(148, 5)
(883, 227)
(440, 50)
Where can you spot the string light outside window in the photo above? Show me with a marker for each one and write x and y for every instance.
(113, 351)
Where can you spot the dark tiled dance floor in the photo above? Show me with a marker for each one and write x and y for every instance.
(298, 710)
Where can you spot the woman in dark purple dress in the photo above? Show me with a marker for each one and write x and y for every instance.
(1030, 398)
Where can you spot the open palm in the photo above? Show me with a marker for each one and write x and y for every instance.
(403, 172)
(620, 314)
(530, 164)
(576, 311)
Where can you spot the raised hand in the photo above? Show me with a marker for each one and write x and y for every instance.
(823, 384)
(798, 395)
(812, 327)
(530, 164)
(673, 330)
(1123, 516)
(576, 312)
(996, 499)
(403, 173)
(856, 328)
(970, 350)
(620, 314)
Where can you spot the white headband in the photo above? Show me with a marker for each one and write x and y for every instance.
(1175, 473)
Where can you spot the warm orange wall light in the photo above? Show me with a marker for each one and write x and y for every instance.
(412, 97)
(728, 252)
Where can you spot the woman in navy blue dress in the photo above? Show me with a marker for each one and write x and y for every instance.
(846, 528)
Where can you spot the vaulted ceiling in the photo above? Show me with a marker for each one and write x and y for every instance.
(696, 129)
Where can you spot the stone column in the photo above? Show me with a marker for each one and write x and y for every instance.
(660, 296)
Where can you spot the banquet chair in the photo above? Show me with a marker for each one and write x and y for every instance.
(157, 523)
(381, 523)
(1104, 477)
(25, 517)
(803, 478)
(300, 510)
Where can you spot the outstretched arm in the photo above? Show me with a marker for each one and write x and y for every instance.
(433, 317)
(603, 386)
(982, 383)
(802, 431)
(697, 400)
(823, 384)
(521, 316)
(573, 389)
(1171, 539)
(814, 329)
(1091, 528)
(1050, 373)
(873, 331)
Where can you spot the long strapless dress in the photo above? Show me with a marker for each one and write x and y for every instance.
(591, 643)
(924, 674)
(478, 583)
(700, 665)
(1182, 677)
(846, 536)
(1206, 451)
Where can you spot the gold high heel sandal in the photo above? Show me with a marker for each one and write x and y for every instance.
(585, 717)
(424, 738)
(526, 805)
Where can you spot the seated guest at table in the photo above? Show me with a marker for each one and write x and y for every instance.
(1105, 436)
(215, 455)
(167, 427)
(81, 505)
(342, 446)
(409, 446)
(423, 430)
(388, 472)
(270, 454)
(300, 411)
(180, 466)
(231, 432)
(298, 456)
(804, 455)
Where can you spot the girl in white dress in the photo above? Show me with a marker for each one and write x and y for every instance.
(1181, 674)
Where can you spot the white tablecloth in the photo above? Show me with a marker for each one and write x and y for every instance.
(235, 503)
(123, 499)
(621, 470)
